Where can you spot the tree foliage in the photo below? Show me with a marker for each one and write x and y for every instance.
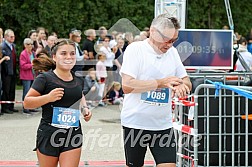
(60, 16)
(211, 14)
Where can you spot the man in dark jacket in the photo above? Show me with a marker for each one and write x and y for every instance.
(8, 72)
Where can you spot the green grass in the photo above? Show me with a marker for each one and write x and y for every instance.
(19, 87)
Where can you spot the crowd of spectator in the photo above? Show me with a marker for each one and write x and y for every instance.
(99, 58)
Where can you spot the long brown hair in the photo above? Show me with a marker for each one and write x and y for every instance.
(43, 63)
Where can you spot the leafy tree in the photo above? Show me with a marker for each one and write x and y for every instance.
(60, 16)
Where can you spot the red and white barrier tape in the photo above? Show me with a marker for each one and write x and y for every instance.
(184, 128)
(10, 102)
(186, 157)
(187, 103)
(183, 101)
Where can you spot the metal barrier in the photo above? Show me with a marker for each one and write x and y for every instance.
(220, 132)
(223, 123)
(235, 78)
(184, 132)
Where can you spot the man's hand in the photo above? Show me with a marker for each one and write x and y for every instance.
(180, 91)
(169, 82)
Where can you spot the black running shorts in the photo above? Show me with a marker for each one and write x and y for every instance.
(52, 141)
(161, 144)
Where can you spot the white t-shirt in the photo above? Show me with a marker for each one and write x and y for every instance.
(101, 70)
(110, 56)
(142, 63)
(246, 56)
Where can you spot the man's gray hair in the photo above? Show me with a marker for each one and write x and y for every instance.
(164, 21)
(7, 32)
(89, 32)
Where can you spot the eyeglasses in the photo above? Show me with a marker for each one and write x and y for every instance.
(12, 36)
(29, 44)
(167, 39)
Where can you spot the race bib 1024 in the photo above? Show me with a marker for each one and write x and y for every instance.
(65, 117)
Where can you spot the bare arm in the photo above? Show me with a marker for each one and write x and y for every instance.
(117, 64)
(183, 89)
(187, 82)
(34, 99)
(91, 55)
(86, 112)
(4, 58)
(132, 85)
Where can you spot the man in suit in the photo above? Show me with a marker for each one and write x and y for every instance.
(9, 72)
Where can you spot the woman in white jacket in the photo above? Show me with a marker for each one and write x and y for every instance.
(246, 55)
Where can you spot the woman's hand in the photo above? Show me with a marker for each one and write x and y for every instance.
(87, 114)
(55, 94)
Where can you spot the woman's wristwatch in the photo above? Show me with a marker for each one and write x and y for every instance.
(83, 107)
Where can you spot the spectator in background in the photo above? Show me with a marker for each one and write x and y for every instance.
(88, 47)
(41, 38)
(102, 34)
(75, 36)
(9, 71)
(115, 95)
(110, 56)
(137, 38)
(147, 30)
(129, 38)
(26, 71)
(101, 74)
(50, 43)
(54, 34)
(249, 39)
(1, 35)
(225, 27)
(91, 88)
(32, 34)
(113, 35)
(88, 43)
(247, 57)
(2, 59)
(118, 59)
(143, 35)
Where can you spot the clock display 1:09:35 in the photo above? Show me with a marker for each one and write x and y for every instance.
(199, 49)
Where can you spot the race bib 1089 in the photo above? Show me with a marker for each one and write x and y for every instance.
(156, 97)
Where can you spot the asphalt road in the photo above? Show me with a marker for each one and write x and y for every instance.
(102, 135)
